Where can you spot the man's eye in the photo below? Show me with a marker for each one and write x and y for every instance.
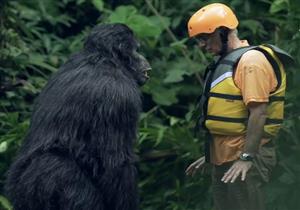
(202, 39)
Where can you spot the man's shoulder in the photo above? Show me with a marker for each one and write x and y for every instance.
(254, 60)
(253, 57)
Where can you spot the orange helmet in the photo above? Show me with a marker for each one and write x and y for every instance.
(207, 19)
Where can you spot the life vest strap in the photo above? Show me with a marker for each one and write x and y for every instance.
(242, 120)
(239, 97)
(276, 98)
(226, 119)
(274, 65)
(227, 62)
(273, 121)
(225, 96)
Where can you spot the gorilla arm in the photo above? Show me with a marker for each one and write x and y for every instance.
(119, 113)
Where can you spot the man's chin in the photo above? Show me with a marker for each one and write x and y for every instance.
(213, 53)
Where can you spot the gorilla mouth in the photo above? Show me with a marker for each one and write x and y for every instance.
(146, 73)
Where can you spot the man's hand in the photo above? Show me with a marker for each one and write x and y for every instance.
(195, 166)
(239, 167)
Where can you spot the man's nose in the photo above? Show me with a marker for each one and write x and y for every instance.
(201, 43)
(207, 48)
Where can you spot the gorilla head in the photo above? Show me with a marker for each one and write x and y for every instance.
(117, 44)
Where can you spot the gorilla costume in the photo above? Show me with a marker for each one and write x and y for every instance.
(78, 152)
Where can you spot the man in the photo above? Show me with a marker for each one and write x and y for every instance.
(242, 109)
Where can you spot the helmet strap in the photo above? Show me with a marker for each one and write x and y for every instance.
(224, 39)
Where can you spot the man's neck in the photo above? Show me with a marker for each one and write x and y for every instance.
(234, 42)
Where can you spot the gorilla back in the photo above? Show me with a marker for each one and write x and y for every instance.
(78, 152)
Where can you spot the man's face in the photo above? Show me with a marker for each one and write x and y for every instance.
(210, 42)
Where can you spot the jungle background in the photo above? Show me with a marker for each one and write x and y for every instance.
(37, 36)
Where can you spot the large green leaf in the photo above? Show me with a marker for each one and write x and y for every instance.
(175, 75)
(3, 147)
(279, 5)
(165, 96)
(122, 14)
(140, 24)
(5, 203)
(99, 4)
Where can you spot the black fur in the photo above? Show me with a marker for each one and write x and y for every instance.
(78, 153)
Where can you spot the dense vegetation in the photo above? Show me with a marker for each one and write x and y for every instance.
(37, 36)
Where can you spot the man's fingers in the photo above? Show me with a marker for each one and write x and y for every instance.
(235, 175)
(189, 168)
(200, 163)
(244, 172)
(193, 168)
(237, 169)
(227, 174)
(231, 175)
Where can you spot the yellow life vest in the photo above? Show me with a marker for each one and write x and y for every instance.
(224, 111)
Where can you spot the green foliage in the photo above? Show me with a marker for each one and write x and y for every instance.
(97, 3)
(37, 36)
(143, 26)
(4, 203)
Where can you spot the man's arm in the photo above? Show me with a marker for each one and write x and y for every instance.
(255, 128)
